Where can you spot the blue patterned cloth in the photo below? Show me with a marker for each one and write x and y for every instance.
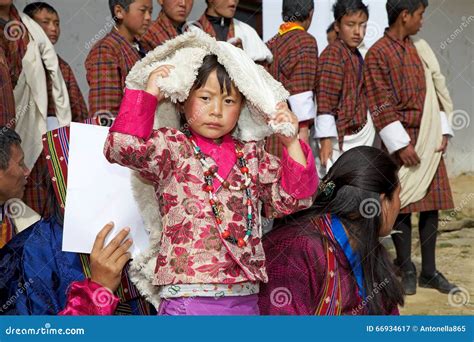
(35, 273)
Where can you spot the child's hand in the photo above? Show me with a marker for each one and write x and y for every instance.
(284, 114)
(151, 87)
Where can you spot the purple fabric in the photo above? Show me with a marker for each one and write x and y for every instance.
(297, 268)
(210, 306)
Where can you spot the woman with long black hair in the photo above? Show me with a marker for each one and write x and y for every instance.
(328, 259)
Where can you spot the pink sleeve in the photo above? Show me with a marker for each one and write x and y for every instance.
(89, 298)
(136, 114)
(300, 181)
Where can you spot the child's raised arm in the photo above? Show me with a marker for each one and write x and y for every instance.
(289, 183)
(132, 142)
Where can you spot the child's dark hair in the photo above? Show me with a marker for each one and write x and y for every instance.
(209, 64)
(395, 7)
(297, 10)
(348, 7)
(35, 7)
(359, 177)
(125, 4)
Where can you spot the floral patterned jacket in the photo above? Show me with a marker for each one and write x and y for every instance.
(192, 250)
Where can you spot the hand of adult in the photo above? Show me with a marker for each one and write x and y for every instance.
(108, 262)
(408, 156)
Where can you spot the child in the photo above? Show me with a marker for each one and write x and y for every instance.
(331, 34)
(342, 119)
(295, 62)
(334, 263)
(169, 24)
(210, 178)
(110, 60)
(48, 18)
(397, 92)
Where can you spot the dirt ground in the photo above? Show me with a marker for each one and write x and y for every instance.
(454, 257)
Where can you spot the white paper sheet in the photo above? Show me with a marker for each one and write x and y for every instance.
(98, 192)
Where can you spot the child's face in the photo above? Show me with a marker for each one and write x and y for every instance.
(138, 17)
(209, 112)
(351, 28)
(49, 22)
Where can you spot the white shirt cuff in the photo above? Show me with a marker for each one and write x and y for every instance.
(445, 126)
(394, 137)
(303, 106)
(325, 126)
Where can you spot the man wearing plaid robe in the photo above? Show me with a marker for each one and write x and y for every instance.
(340, 92)
(396, 88)
(295, 61)
(170, 23)
(13, 45)
(110, 60)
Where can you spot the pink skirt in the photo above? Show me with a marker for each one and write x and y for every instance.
(210, 306)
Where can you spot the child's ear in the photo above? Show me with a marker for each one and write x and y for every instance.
(118, 10)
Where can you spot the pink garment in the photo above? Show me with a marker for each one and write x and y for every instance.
(89, 298)
(137, 115)
(210, 306)
(223, 154)
(192, 250)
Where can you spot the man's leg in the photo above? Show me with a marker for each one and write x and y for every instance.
(402, 242)
(429, 276)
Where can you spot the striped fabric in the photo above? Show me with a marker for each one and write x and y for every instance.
(331, 300)
(56, 150)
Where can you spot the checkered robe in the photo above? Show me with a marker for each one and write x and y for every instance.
(12, 51)
(160, 31)
(76, 100)
(340, 90)
(207, 27)
(107, 66)
(396, 90)
(295, 61)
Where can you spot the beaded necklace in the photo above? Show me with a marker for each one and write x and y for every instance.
(210, 172)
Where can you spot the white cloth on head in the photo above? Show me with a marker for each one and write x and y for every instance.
(31, 94)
